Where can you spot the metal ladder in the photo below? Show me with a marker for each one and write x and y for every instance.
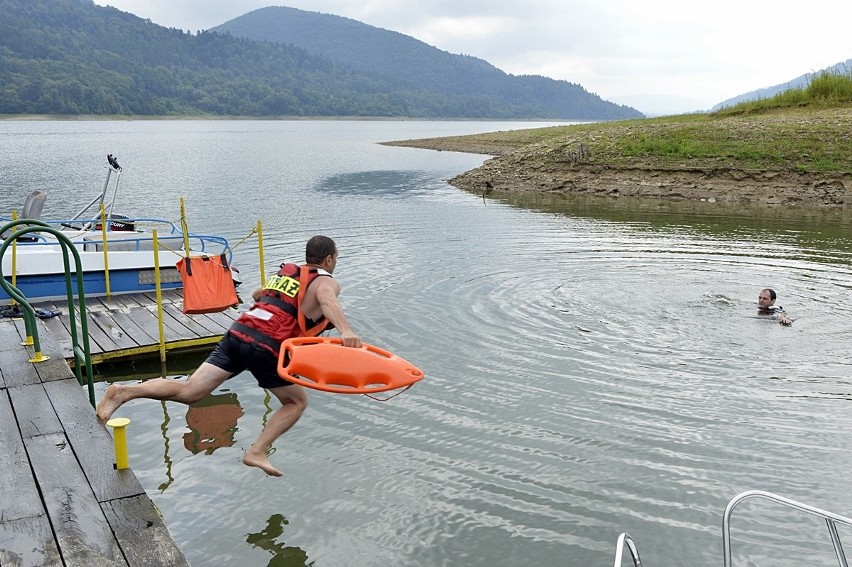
(631, 545)
(831, 521)
(82, 353)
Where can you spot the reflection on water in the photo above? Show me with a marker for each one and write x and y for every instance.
(282, 555)
(809, 229)
(212, 423)
(378, 184)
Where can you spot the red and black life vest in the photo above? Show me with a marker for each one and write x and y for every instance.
(274, 318)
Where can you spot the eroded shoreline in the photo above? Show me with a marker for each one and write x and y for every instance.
(521, 165)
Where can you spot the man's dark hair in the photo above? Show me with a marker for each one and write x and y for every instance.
(318, 248)
(771, 293)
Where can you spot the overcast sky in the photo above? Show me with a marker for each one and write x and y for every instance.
(691, 55)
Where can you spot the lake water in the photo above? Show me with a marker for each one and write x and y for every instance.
(592, 367)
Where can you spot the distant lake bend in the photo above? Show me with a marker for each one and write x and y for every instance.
(592, 366)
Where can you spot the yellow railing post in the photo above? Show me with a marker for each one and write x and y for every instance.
(106, 256)
(260, 251)
(159, 298)
(184, 228)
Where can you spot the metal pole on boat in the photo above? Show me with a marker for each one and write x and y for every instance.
(260, 251)
(114, 192)
(159, 298)
(96, 199)
(106, 186)
(106, 255)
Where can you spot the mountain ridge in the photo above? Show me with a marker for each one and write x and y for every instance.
(72, 57)
(388, 53)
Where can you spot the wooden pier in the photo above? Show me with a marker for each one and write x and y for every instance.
(126, 326)
(62, 503)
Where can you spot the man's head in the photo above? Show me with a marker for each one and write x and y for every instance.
(766, 299)
(321, 251)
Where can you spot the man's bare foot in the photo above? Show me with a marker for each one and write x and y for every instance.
(111, 401)
(256, 458)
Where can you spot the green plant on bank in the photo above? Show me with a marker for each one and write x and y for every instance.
(803, 129)
(825, 90)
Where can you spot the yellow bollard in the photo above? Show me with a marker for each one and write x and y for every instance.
(118, 425)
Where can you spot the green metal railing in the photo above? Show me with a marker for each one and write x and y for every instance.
(82, 354)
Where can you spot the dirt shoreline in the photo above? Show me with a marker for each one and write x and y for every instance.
(512, 170)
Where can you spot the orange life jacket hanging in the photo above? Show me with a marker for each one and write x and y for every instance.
(208, 285)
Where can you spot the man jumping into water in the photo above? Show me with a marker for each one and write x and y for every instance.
(252, 343)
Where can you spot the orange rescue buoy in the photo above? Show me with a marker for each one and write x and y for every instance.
(323, 363)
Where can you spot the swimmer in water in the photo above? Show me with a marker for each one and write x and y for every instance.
(766, 306)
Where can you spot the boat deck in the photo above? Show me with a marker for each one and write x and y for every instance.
(126, 326)
(63, 502)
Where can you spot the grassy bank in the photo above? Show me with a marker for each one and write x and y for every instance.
(792, 138)
(806, 130)
(794, 148)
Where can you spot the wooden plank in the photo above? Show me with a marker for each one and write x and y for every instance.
(132, 329)
(218, 323)
(54, 366)
(142, 534)
(94, 347)
(91, 441)
(82, 531)
(120, 302)
(222, 320)
(132, 300)
(8, 333)
(60, 338)
(215, 324)
(197, 325)
(35, 413)
(109, 326)
(17, 370)
(146, 318)
(171, 320)
(173, 329)
(112, 303)
(10, 338)
(104, 340)
(146, 321)
(28, 542)
(20, 496)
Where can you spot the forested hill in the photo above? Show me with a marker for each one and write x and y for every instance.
(392, 54)
(73, 57)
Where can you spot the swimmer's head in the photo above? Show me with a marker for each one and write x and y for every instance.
(766, 299)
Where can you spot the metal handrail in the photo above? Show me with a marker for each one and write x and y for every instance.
(625, 538)
(81, 355)
(199, 242)
(831, 521)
